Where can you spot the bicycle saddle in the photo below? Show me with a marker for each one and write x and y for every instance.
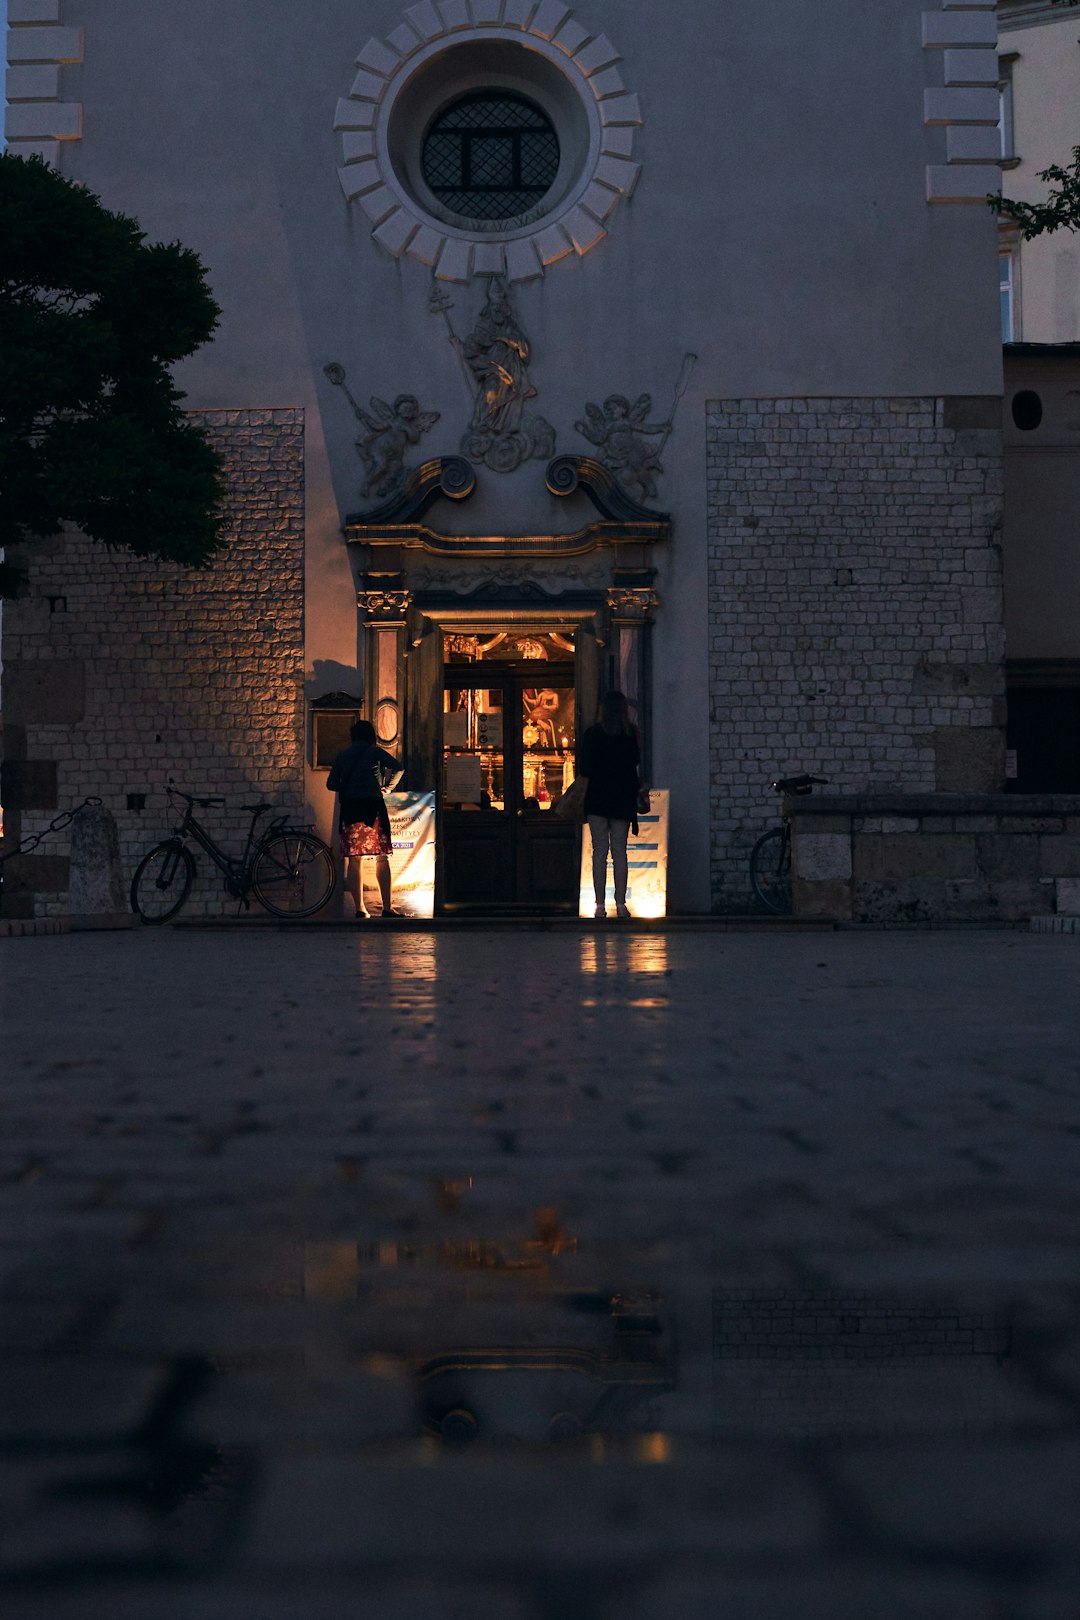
(798, 784)
(256, 809)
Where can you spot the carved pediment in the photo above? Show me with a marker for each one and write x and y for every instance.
(396, 522)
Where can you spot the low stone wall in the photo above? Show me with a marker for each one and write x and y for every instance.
(936, 857)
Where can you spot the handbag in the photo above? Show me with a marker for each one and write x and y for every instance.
(571, 807)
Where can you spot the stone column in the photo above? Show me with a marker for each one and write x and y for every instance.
(631, 608)
(385, 606)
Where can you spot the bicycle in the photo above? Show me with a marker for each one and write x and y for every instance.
(770, 858)
(289, 870)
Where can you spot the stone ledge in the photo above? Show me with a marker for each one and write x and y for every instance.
(33, 927)
(1054, 925)
(934, 804)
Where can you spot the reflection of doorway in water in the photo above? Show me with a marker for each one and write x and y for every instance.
(509, 731)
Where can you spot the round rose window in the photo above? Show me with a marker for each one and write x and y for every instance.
(491, 156)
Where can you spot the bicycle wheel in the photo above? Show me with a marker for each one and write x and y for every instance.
(162, 882)
(293, 873)
(770, 870)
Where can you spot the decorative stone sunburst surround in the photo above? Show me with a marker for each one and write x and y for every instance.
(37, 120)
(966, 104)
(587, 61)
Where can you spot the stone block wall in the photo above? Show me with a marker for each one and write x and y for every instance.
(936, 858)
(120, 672)
(840, 1363)
(855, 612)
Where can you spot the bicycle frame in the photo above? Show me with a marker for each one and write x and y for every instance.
(236, 872)
(770, 858)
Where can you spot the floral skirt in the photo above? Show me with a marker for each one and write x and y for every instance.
(364, 828)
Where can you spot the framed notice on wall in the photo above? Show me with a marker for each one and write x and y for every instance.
(463, 779)
(330, 734)
(489, 729)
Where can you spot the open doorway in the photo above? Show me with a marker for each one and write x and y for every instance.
(509, 733)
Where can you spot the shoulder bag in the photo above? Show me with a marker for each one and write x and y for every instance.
(571, 807)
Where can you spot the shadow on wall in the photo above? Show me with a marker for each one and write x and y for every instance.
(327, 676)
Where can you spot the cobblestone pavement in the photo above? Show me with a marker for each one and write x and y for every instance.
(522, 1276)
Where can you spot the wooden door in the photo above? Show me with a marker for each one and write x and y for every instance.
(508, 751)
(545, 846)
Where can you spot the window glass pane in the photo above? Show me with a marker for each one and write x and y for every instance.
(473, 757)
(547, 745)
(1005, 111)
(1005, 287)
(491, 160)
(491, 156)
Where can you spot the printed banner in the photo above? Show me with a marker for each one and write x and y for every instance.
(412, 865)
(646, 890)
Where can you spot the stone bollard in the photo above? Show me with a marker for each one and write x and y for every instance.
(96, 897)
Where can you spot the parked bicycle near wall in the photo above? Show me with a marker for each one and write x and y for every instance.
(770, 858)
(289, 870)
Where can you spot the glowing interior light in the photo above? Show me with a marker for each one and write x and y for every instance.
(646, 893)
(654, 1448)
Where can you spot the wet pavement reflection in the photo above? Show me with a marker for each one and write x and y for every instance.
(635, 1276)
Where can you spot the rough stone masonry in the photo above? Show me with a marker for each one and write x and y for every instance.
(120, 673)
(855, 604)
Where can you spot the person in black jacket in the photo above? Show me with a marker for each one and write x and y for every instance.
(356, 776)
(610, 760)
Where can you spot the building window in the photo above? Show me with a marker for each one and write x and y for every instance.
(1006, 129)
(489, 151)
(1007, 291)
(491, 156)
(1027, 410)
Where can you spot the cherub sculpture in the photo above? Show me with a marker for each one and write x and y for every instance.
(391, 429)
(621, 433)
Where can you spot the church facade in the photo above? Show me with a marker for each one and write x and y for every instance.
(563, 348)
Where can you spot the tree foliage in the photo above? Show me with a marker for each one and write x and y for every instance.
(1060, 210)
(92, 317)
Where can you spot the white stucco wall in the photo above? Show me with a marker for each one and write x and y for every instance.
(780, 231)
(1046, 102)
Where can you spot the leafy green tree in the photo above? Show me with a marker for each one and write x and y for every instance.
(1061, 208)
(92, 317)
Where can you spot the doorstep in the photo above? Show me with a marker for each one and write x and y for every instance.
(525, 924)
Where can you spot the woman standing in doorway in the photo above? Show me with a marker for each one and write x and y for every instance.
(356, 776)
(610, 760)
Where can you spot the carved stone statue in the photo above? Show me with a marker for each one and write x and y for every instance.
(621, 433)
(391, 429)
(496, 356)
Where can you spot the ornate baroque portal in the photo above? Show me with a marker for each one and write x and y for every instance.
(488, 140)
(592, 588)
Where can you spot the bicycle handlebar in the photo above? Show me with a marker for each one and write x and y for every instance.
(204, 804)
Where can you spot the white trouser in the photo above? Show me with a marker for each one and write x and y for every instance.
(604, 832)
